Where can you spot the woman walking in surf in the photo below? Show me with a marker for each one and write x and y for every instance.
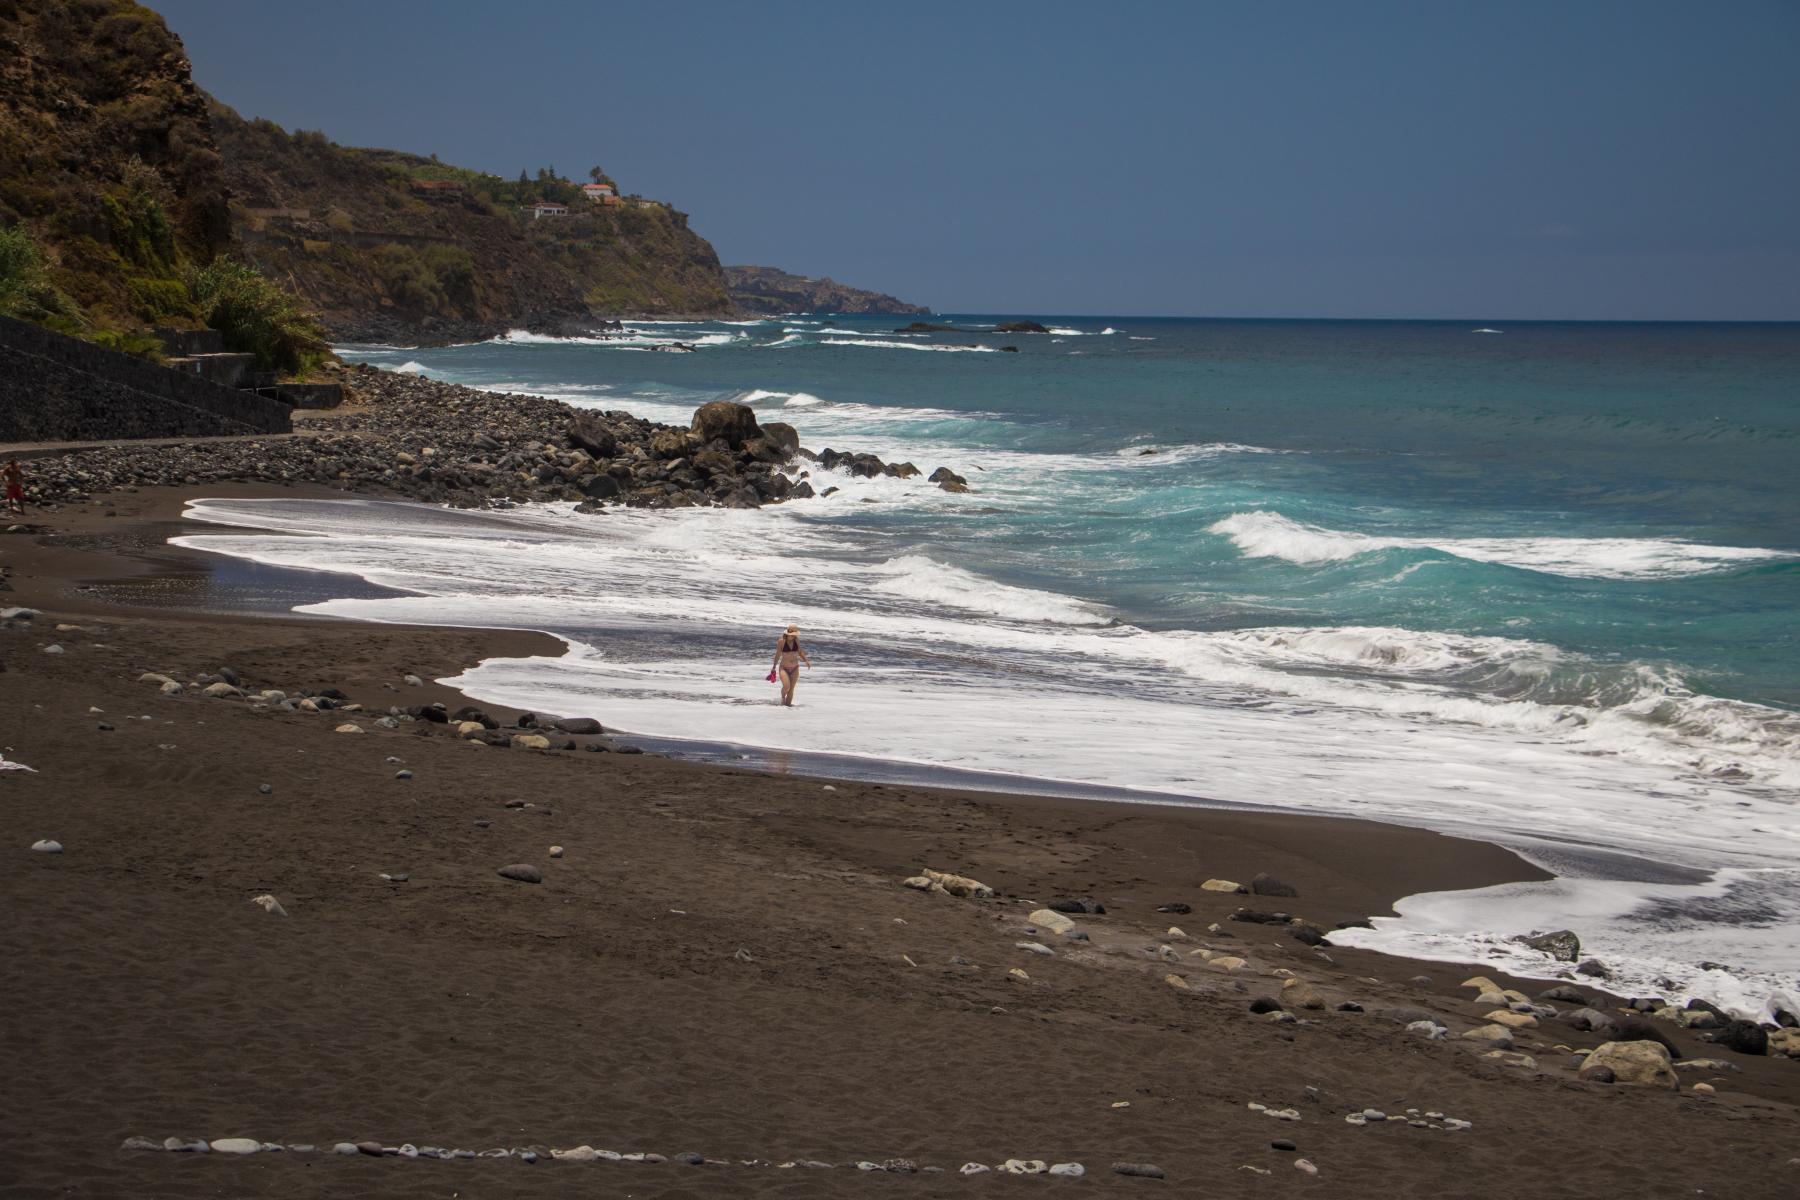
(788, 657)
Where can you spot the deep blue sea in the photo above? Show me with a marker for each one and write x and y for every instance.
(1532, 581)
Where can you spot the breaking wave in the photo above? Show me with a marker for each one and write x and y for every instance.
(1263, 534)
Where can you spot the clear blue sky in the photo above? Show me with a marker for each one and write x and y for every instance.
(1436, 159)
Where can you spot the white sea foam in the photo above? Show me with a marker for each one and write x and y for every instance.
(926, 663)
(887, 345)
(1262, 534)
(410, 368)
(627, 339)
(916, 577)
(1484, 331)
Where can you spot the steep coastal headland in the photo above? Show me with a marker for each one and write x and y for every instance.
(121, 182)
(769, 290)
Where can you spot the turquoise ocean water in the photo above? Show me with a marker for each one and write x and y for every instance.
(1528, 580)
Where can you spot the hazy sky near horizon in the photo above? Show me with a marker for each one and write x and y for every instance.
(1522, 160)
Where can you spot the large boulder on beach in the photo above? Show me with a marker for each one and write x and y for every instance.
(777, 443)
(1268, 885)
(726, 421)
(588, 432)
(1745, 1037)
(1645, 1064)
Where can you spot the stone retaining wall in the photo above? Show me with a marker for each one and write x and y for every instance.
(61, 389)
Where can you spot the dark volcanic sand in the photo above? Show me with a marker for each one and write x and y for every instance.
(144, 994)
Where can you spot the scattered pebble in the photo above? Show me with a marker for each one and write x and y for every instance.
(556, 852)
(265, 788)
(1283, 1144)
(1306, 1165)
(1140, 1170)
(270, 905)
(237, 1146)
(47, 846)
(521, 872)
(403, 774)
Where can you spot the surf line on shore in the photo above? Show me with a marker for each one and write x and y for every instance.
(919, 683)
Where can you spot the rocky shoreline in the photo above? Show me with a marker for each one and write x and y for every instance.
(440, 443)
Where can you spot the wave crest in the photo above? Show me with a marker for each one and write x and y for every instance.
(1264, 534)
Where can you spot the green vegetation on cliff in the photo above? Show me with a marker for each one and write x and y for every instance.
(383, 244)
(110, 187)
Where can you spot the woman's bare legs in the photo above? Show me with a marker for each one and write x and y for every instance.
(789, 677)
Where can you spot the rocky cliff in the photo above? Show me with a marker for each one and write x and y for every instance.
(110, 183)
(769, 290)
(385, 245)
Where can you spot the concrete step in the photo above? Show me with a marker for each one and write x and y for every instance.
(182, 343)
(225, 369)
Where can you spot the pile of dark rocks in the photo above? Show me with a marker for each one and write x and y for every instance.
(441, 443)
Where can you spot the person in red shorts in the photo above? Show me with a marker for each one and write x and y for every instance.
(15, 487)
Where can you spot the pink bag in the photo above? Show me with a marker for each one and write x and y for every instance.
(772, 678)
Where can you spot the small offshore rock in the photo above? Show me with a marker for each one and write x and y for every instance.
(47, 846)
(1561, 944)
(237, 1146)
(1140, 1170)
(973, 1169)
(521, 872)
